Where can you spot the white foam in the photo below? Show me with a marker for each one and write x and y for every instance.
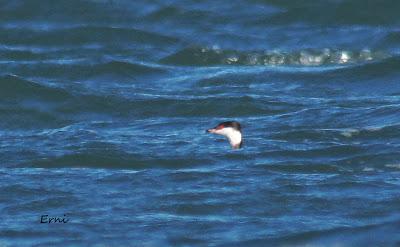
(368, 169)
(350, 132)
(393, 165)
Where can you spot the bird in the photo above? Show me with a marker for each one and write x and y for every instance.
(230, 129)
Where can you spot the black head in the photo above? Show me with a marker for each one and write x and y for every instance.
(233, 124)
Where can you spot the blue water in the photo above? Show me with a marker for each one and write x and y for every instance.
(104, 107)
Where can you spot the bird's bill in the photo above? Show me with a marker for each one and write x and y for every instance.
(213, 130)
(216, 130)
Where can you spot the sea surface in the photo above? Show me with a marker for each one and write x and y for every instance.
(104, 106)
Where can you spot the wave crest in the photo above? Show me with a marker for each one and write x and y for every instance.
(203, 56)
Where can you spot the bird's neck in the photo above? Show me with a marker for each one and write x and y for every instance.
(235, 138)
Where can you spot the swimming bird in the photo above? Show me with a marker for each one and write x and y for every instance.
(232, 130)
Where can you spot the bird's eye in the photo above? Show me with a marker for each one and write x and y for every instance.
(220, 127)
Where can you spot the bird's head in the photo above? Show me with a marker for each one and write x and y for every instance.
(232, 130)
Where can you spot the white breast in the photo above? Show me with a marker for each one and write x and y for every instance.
(234, 136)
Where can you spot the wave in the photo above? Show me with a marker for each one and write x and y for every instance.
(78, 35)
(354, 12)
(17, 90)
(343, 235)
(171, 107)
(112, 159)
(28, 100)
(20, 55)
(117, 70)
(375, 69)
(361, 133)
(14, 87)
(203, 56)
(175, 13)
(369, 78)
(334, 12)
(27, 104)
(67, 10)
